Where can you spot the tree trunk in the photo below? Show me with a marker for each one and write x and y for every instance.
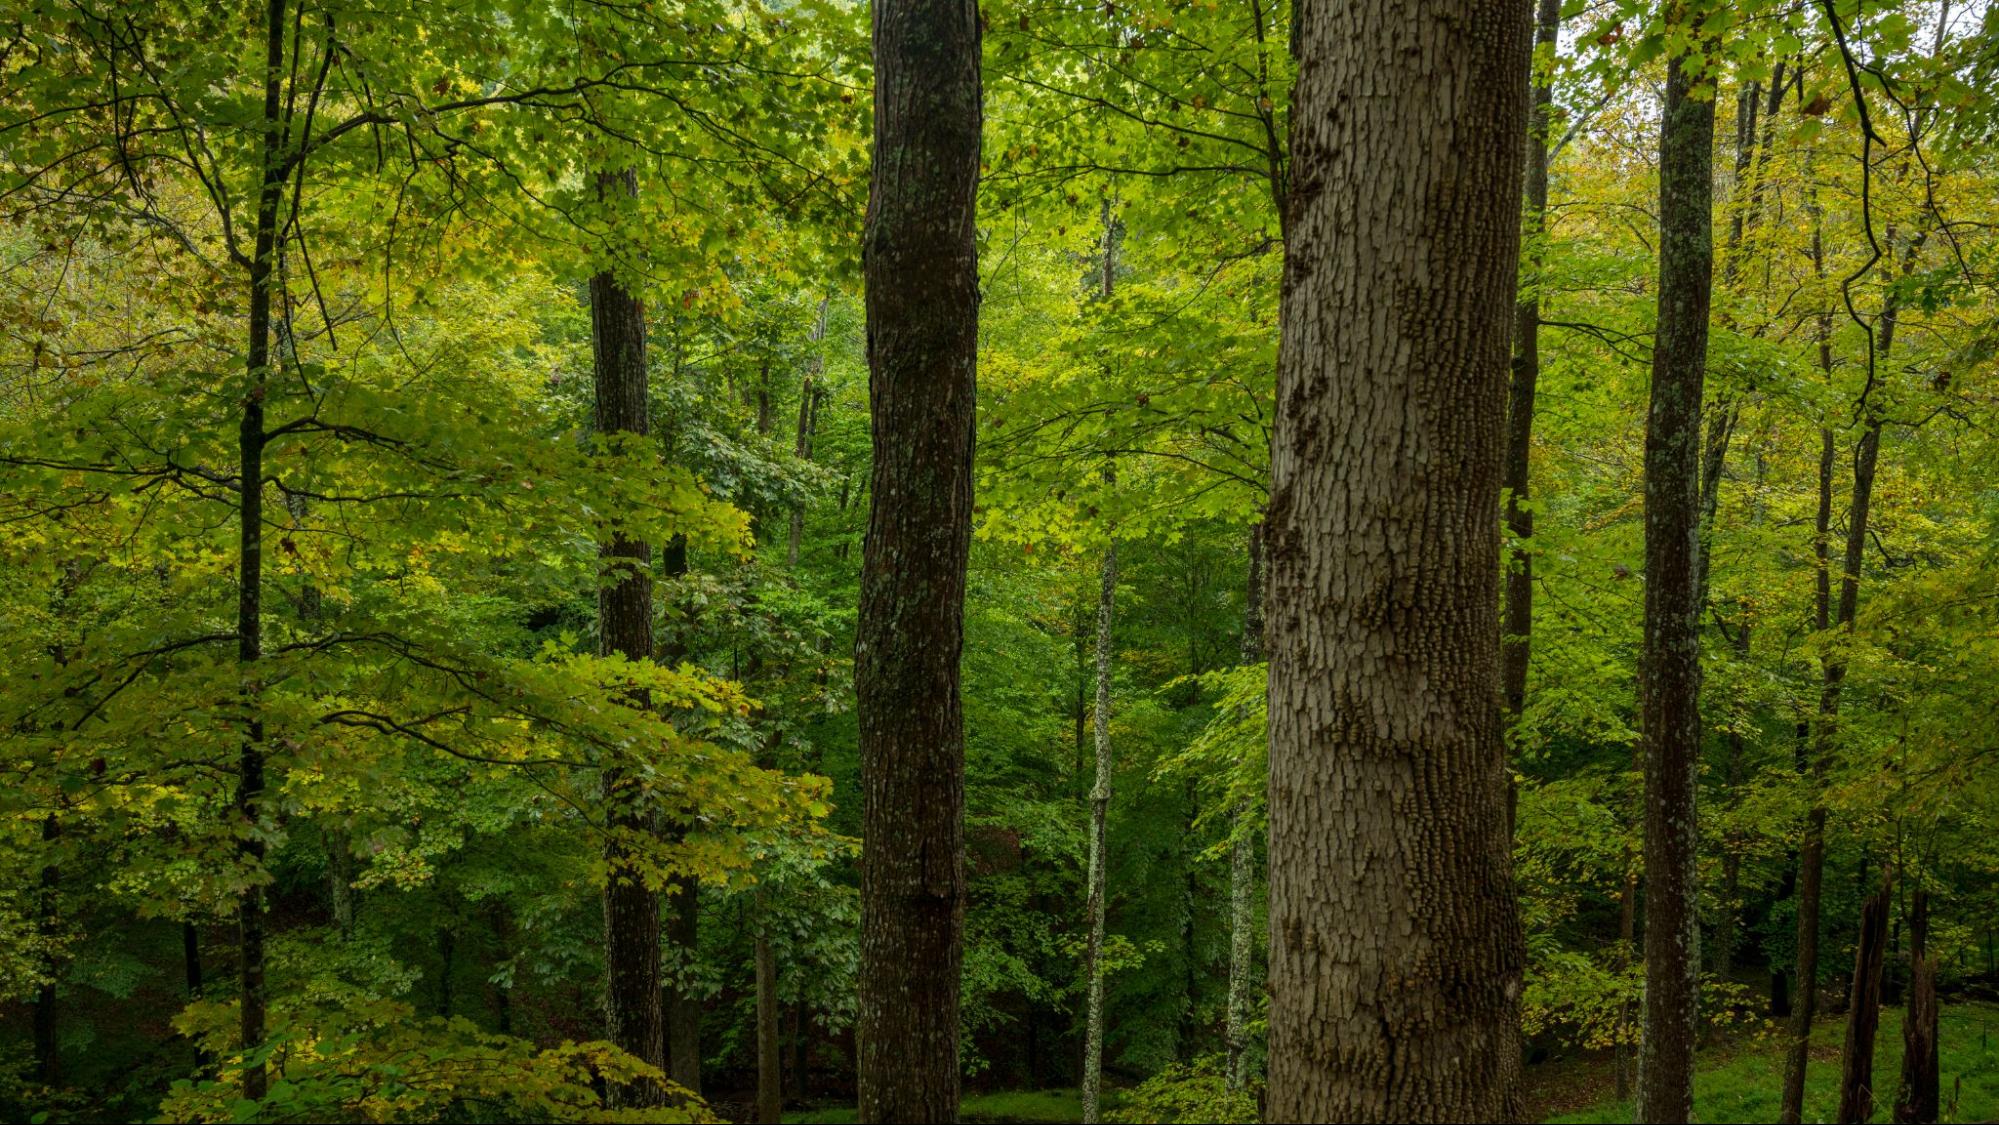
(1242, 850)
(770, 1071)
(1100, 803)
(249, 797)
(1670, 683)
(1396, 951)
(1918, 1097)
(682, 1006)
(1519, 615)
(1811, 857)
(1863, 1014)
(48, 1049)
(809, 394)
(340, 880)
(625, 628)
(920, 260)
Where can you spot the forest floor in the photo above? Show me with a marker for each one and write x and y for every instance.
(1739, 1080)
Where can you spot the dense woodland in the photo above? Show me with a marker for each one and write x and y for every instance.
(1232, 560)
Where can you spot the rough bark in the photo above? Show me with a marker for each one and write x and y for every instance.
(625, 628)
(1514, 649)
(1918, 1096)
(920, 261)
(1100, 803)
(1670, 685)
(1863, 1014)
(1242, 850)
(1396, 950)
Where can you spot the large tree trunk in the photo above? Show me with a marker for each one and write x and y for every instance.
(1670, 685)
(1519, 616)
(1863, 1014)
(920, 259)
(250, 561)
(1100, 803)
(1396, 951)
(1242, 850)
(1916, 1102)
(625, 628)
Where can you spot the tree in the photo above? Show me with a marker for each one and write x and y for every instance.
(1396, 952)
(920, 260)
(1669, 681)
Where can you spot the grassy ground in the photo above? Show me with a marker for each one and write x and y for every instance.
(1744, 1083)
(1738, 1082)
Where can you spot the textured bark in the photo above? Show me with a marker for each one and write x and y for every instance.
(1242, 851)
(809, 396)
(920, 261)
(770, 1069)
(1670, 685)
(1396, 950)
(249, 796)
(1863, 1013)
(625, 628)
(1918, 1096)
(1100, 803)
(1514, 649)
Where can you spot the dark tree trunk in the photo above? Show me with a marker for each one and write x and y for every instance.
(1670, 683)
(447, 963)
(625, 628)
(1863, 1013)
(48, 1049)
(1811, 856)
(770, 1070)
(1918, 1097)
(1396, 951)
(1519, 616)
(920, 259)
(250, 560)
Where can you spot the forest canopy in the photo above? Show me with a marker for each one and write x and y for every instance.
(1162, 560)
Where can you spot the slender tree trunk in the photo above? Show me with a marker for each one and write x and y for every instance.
(1811, 855)
(1100, 803)
(340, 880)
(1242, 850)
(1917, 1101)
(48, 1049)
(680, 1006)
(1514, 649)
(770, 1070)
(250, 564)
(447, 963)
(920, 259)
(809, 395)
(1863, 1014)
(625, 628)
(1396, 951)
